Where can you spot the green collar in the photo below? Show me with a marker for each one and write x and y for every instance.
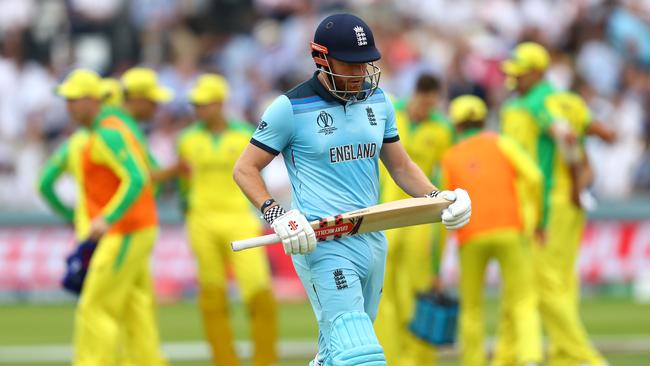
(204, 127)
(106, 111)
(467, 133)
(103, 112)
(434, 116)
(541, 88)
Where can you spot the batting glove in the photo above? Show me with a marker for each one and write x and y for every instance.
(297, 235)
(458, 213)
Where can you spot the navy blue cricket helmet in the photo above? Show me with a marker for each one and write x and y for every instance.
(345, 37)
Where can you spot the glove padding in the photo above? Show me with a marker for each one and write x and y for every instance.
(458, 213)
(297, 235)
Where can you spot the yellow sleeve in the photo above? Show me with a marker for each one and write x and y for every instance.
(571, 108)
(54, 167)
(583, 116)
(519, 125)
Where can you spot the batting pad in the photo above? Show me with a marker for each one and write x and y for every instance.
(353, 342)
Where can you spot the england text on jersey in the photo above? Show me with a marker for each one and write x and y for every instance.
(343, 153)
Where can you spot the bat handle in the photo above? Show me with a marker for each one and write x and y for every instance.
(259, 241)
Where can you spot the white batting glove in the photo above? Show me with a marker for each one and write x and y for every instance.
(297, 235)
(458, 213)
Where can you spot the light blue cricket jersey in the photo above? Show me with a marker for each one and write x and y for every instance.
(331, 149)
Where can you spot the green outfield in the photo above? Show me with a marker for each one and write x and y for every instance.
(620, 327)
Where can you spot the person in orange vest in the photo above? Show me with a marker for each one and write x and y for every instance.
(495, 171)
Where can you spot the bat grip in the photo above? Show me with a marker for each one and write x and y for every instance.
(259, 241)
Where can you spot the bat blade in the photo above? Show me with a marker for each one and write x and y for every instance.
(385, 216)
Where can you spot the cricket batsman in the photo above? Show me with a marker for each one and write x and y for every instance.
(426, 134)
(550, 124)
(119, 202)
(217, 213)
(493, 168)
(331, 130)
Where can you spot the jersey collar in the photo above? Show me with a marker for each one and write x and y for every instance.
(541, 88)
(204, 127)
(320, 90)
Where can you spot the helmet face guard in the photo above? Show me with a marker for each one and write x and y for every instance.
(369, 84)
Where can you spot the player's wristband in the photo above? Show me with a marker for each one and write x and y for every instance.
(273, 213)
(433, 194)
(266, 204)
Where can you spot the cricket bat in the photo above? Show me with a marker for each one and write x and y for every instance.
(389, 215)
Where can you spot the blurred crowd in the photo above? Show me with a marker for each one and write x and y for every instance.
(599, 48)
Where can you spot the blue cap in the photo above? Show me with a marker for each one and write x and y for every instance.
(346, 38)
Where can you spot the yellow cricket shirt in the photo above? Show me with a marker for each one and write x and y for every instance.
(211, 158)
(425, 142)
(527, 120)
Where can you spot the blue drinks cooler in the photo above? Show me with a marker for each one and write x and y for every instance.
(435, 318)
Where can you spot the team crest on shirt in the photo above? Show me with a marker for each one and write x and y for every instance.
(371, 116)
(326, 123)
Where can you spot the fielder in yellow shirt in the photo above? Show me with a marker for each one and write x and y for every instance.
(118, 200)
(67, 159)
(142, 96)
(426, 134)
(496, 171)
(217, 213)
(551, 124)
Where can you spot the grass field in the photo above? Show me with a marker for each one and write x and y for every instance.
(611, 322)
